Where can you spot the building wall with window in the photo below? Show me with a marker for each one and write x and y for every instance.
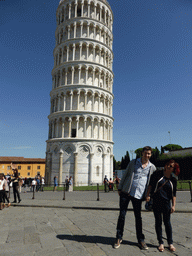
(27, 167)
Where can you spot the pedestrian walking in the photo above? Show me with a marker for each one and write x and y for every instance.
(133, 187)
(42, 183)
(67, 183)
(33, 185)
(162, 187)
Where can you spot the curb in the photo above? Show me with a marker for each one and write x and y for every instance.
(87, 208)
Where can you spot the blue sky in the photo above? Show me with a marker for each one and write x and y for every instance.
(152, 67)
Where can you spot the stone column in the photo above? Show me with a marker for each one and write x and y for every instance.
(81, 29)
(73, 52)
(64, 102)
(111, 166)
(95, 11)
(53, 126)
(75, 29)
(85, 100)
(108, 107)
(103, 172)
(104, 81)
(98, 129)
(91, 168)
(78, 96)
(75, 168)
(69, 11)
(99, 77)
(92, 129)
(71, 100)
(94, 31)
(85, 128)
(75, 10)
(79, 74)
(62, 55)
(77, 127)
(88, 29)
(82, 5)
(72, 75)
(67, 53)
(94, 53)
(88, 10)
(93, 102)
(63, 128)
(103, 130)
(86, 77)
(99, 103)
(60, 168)
(93, 76)
(68, 32)
(57, 128)
(100, 56)
(100, 13)
(80, 51)
(59, 102)
(70, 120)
(65, 77)
(87, 46)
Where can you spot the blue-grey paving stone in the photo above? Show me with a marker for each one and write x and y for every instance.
(52, 252)
(31, 238)
(50, 241)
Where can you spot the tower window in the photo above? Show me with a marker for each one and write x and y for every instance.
(78, 12)
(73, 135)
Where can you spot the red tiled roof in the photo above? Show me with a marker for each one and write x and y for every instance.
(15, 159)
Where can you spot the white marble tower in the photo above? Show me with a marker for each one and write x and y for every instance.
(80, 142)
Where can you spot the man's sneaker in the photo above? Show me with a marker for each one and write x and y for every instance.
(117, 243)
(143, 246)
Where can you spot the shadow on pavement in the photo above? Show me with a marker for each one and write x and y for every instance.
(97, 239)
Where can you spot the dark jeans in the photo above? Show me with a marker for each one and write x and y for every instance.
(124, 201)
(16, 193)
(163, 209)
(5, 197)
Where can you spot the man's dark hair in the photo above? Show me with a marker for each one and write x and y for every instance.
(147, 148)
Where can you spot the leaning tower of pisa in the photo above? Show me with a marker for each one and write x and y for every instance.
(80, 142)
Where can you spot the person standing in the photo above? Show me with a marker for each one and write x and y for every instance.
(55, 184)
(133, 187)
(163, 186)
(67, 183)
(70, 184)
(15, 181)
(2, 187)
(6, 191)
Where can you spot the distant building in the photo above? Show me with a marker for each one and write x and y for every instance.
(180, 152)
(27, 167)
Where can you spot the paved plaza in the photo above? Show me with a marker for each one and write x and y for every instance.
(81, 225)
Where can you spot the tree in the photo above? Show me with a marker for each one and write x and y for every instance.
(138, 152)
(170, 147)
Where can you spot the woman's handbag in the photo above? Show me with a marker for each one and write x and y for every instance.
(149, 205)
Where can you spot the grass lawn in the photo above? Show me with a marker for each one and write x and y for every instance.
(181, 185)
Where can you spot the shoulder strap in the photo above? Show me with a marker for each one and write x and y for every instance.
(161, 186)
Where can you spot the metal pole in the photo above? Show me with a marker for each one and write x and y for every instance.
(97, 191)
(64, 191)
(33, 192)
(190, 189)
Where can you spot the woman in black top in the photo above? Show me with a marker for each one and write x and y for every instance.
(15, 181)
(163, 186)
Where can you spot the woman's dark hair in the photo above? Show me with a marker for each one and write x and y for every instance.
(176, 166)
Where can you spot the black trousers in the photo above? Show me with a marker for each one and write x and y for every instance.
(162, 208)
(5, 197)
(124, 202)
(16, 193)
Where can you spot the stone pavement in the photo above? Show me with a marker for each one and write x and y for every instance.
(80, 225)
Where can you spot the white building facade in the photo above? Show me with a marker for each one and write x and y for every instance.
(80, 140)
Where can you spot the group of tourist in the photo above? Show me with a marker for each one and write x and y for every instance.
(139, 183)
(68, 183)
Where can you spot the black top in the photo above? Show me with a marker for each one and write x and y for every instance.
(168, 191)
